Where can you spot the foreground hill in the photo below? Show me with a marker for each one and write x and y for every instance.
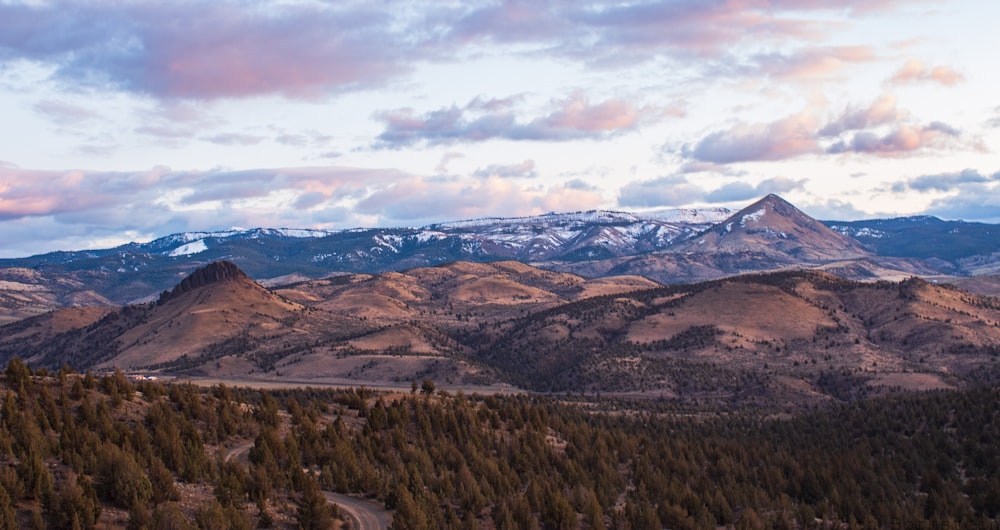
(796, 336)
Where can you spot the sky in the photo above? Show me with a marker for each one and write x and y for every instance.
(126, 121)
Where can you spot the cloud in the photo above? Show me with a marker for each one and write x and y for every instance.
(785, 138)
(425, 200)
(302, 139)
(914, 71)
(976, 201)
(525, 169)
(200, 50)
(994, 121)
(233, 139)
(442, 166)
(900, 141)
(947, 182)
(880, 129)
(310, 200)
(671, 190)
(94, 207)
(815, 62)
(881, 112)
(64, 113)
(742, 191)
(573, 118)
(206, 50)
(27, 193)
(837, 210)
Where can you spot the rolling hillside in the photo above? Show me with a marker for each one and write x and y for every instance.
(796, 336)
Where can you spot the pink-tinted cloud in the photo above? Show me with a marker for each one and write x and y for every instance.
(31, 193)
(880, 129)
(785, 138)
(881, 112)
(422, 199)
(902, 140)
(42, 210)
(914, 71)
(27, 192)
(206, 50)
(810, 63)
(228, 48)
(688, 28)
(574, 118)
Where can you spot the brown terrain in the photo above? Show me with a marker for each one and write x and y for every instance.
(789, 336)
(27, 292)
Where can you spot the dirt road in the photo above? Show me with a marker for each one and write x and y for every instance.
(363, 513)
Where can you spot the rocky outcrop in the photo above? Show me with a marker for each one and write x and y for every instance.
(215, 272)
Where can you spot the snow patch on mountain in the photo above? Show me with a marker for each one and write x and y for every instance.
(872, 233)
(752, 217)
(188, 249)
(696, 216)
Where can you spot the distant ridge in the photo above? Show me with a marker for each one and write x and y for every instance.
(668, 246)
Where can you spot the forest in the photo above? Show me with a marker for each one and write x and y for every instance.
(104, 451)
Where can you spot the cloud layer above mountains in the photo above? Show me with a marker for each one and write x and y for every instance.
(129, 120)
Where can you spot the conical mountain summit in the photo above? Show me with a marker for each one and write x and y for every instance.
(773, 226)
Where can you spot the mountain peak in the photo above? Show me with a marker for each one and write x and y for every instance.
(215, 272)
(772, 224)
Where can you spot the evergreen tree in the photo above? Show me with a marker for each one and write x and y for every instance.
(313, 511)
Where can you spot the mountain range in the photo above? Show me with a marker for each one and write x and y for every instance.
(769, 306)
(673, 246)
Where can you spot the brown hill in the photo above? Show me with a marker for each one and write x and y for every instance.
(804, 333)
(27, 292)
(215, 313)
(450, 293)
(788, 336)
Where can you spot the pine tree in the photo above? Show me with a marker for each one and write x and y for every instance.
(8, 516)
(313, 512)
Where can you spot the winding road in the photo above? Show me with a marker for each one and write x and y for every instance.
(364, 514)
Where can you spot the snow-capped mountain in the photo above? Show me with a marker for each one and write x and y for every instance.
(139, 270)
(671, 246)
